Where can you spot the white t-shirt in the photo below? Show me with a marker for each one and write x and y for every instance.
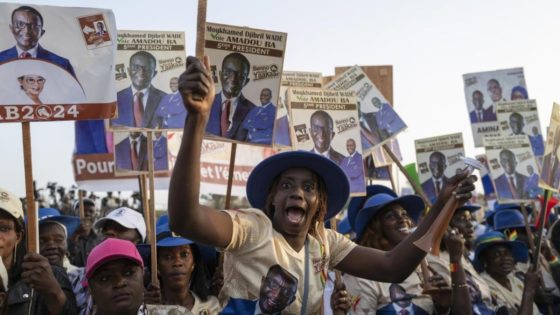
(255, 246)
(510, 299)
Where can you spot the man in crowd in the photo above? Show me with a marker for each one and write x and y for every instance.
(123, 223)
(84, 240)
(230, 107)
(511, 184)
(321, 125)
(27, 29)
(437, 164)
(137, 104)
(480, 114)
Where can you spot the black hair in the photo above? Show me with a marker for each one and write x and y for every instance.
(30, 10)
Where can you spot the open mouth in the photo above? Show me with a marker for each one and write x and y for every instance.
(405, 230)
(295, 214)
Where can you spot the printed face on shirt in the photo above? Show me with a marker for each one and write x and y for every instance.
(508, 161)
(117, 287)
(295, 201)
(278, 290)
(321, 131)
(498, 260)
(395, 223)
(26, 28)
(52, 242)
(437, 164)
(32, 84)
(175, 266)
(142, 69)
(234, 75)
(398, 295)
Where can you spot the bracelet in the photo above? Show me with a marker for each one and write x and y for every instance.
(554, 262)
(453, 267)
(459, 286)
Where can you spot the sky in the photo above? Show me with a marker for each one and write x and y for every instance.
(430, 45)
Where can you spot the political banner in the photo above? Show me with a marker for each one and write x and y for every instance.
(483, 91)
(326, 122)
(146, 73)
(246, 69)
(521, 118)
(282, 128)
(56, 63)
(513, 168)
(438, 159)
(550, 174)
(378, 120)
(487, 184)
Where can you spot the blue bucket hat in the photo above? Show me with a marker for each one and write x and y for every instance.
(71, 224)
(261, 178)
(357, 203)
(508, 219)
(489, 239)
(504, 206)
(413, 204)
(343, 227)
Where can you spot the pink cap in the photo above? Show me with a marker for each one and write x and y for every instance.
(109, 250)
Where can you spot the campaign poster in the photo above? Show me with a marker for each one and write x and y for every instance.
(131, 152)
(521, 118)
(380, 156)
(374, 172)
(513, 168)
(56, 63)
(326, 122)
(550, 173)
(246, 68)
(378, 120)
(282, 136)
(146, 73)
(214, 164)
(483, 91)
(438, 159)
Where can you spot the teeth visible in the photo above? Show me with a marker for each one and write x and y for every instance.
(405, 230)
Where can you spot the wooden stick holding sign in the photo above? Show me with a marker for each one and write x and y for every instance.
(542, 215)
(151, 210)
(32, 224)
(81, 204)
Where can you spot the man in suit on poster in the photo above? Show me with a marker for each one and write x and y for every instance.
(137, 104)
(131, 153)
(353, 167)
(511, 184)
(322, 133)
(27, 28)
(230, 107)
(480, 114)
(437, 164)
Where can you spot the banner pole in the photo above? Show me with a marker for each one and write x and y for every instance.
(32, 224)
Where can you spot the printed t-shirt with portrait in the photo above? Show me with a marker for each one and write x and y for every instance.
(208, 307)
(510, 299)
(372, 297)
(255, 246)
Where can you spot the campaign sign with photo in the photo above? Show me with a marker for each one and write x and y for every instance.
(246, 69)
(378, 120)
(550, 173)
(521, 118)
(282, 126)
(438, 159)
(483, 91)
(326, 122)
(131, 152)
(513, 168)
(56, 63)
(146, 74)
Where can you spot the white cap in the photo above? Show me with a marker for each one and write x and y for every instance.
(11, 203)
(130, 219)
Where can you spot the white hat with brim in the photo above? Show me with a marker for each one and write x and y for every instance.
(11, 204)
(129, 218)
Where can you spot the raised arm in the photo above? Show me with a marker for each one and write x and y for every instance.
(186, 216)
(397, 264)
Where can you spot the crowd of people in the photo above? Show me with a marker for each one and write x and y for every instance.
(280, 256)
